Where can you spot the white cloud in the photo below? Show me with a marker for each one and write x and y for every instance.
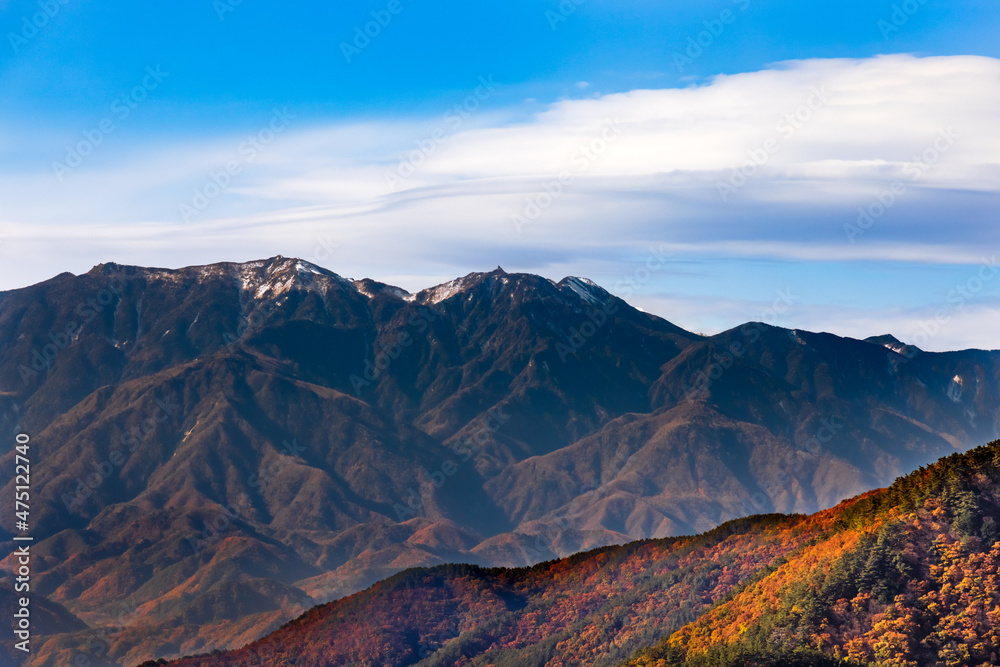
(656, 182)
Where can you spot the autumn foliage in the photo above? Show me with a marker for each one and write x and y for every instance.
(908, 576)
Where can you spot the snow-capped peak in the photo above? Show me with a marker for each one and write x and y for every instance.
(276, 276)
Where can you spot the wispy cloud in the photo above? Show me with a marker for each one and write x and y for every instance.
(809, 143)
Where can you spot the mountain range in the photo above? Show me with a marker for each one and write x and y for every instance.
(218, 449)
(906, 576)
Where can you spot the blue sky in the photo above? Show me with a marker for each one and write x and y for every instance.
(255, 55)
(417, 154)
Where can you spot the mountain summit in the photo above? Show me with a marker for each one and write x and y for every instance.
(227, 445)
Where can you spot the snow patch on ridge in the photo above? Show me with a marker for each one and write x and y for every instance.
(587, 290)
(361, 289)
(306, 267)
(392, 290)
(898, 349)
(440, 293)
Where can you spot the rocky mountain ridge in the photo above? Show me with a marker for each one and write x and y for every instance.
(222, 447)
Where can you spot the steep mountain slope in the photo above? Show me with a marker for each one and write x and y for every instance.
(794, 422)
(918, 584)
(908, 575)
(219, 448)
(595, 606)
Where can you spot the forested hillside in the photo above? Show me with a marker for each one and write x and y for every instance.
(908, 575)
(227, 446)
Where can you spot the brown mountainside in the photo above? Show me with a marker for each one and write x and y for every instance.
(219, 448)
